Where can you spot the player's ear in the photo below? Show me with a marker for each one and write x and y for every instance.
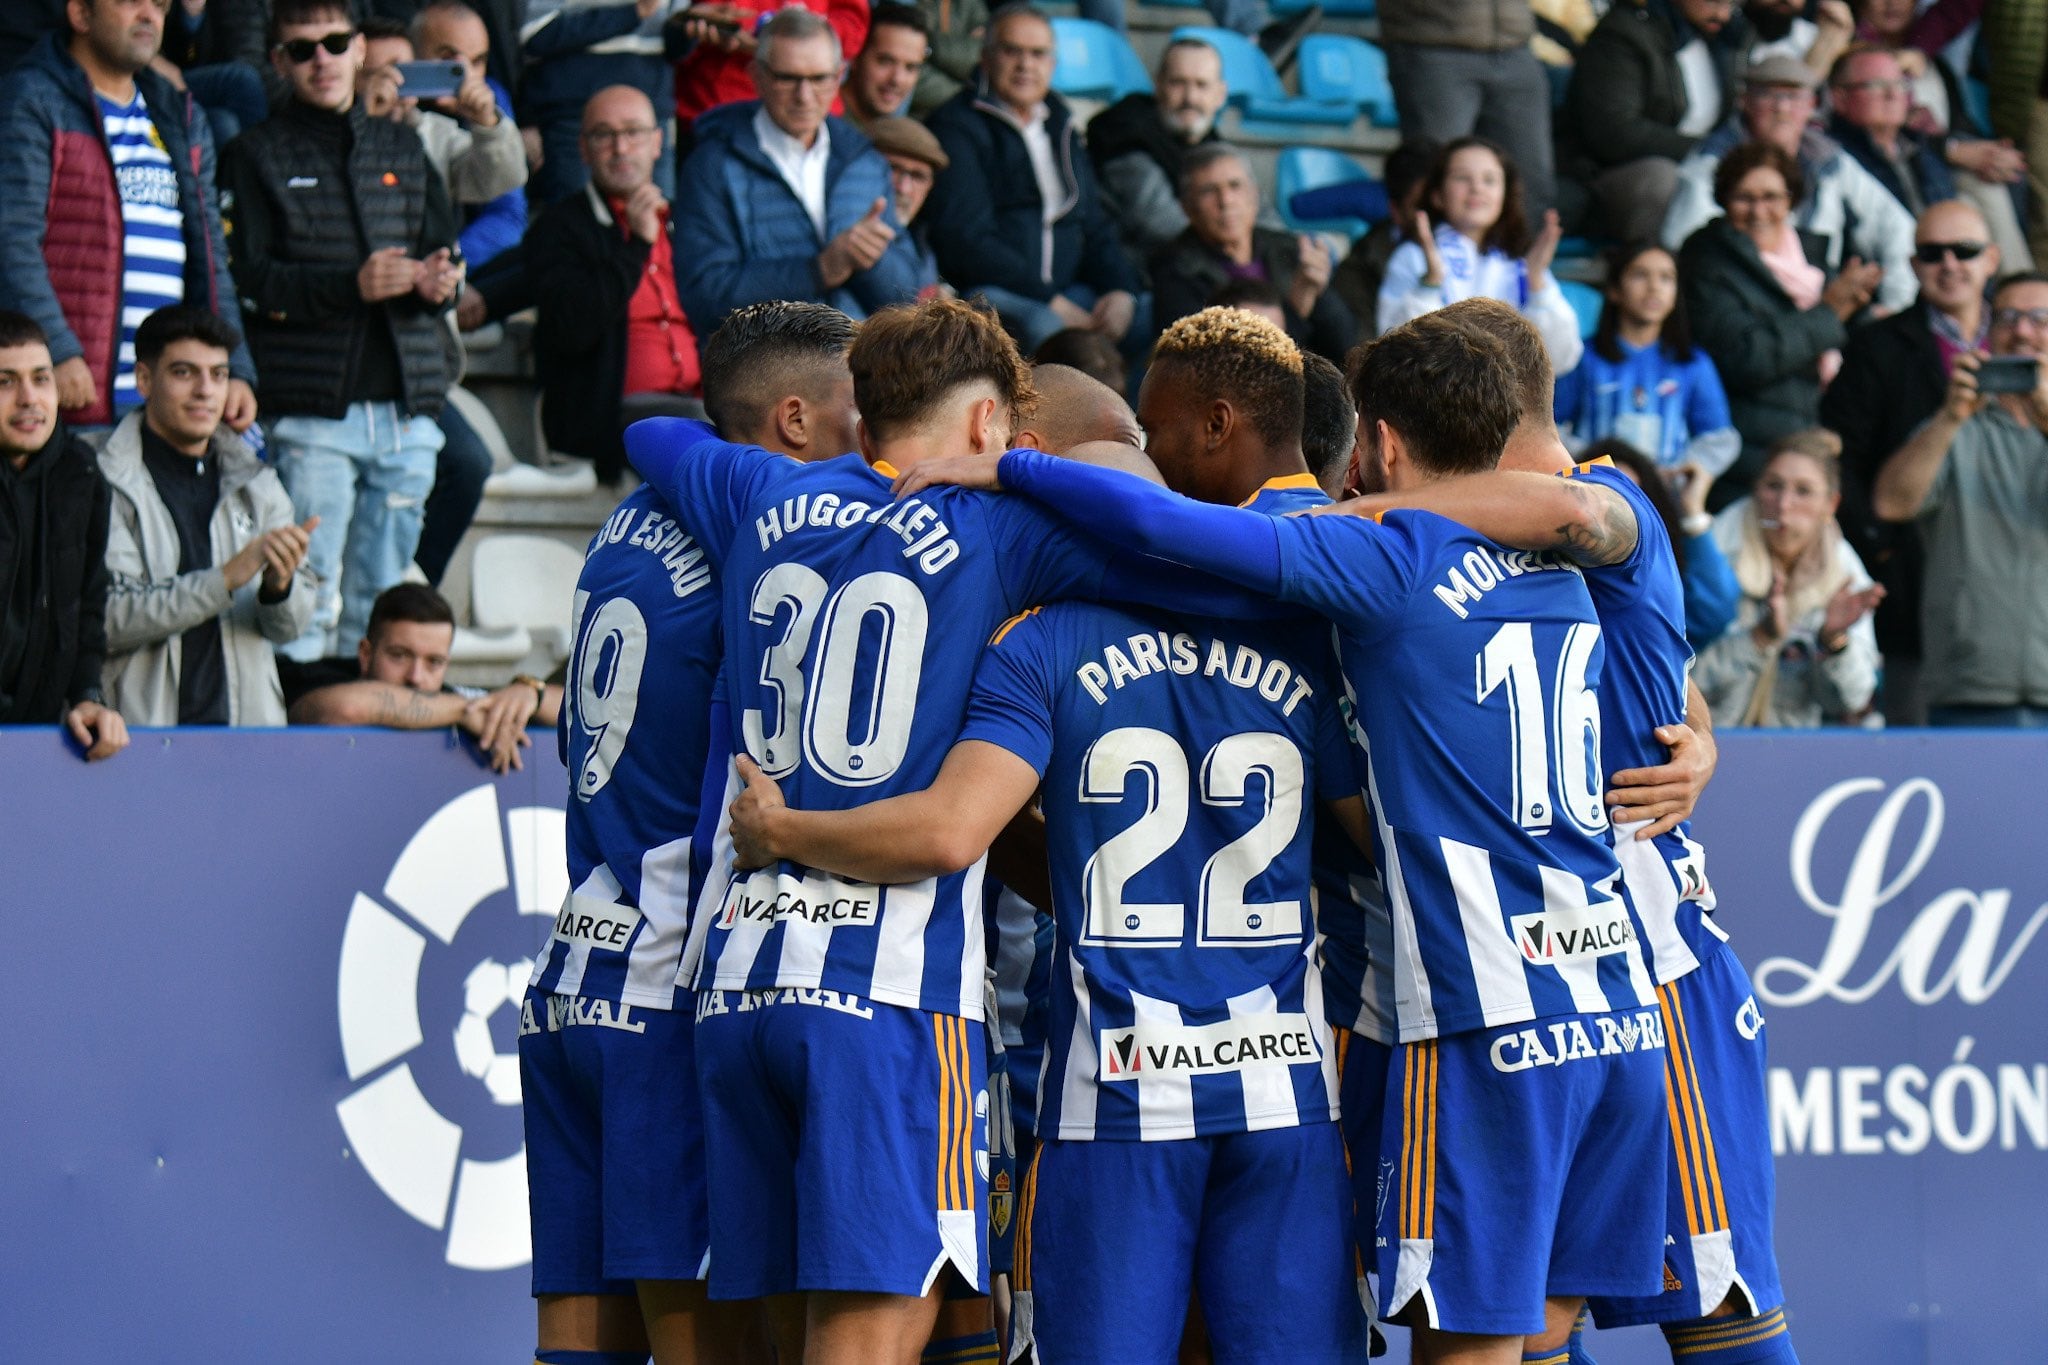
(985, 433)
(1392, 451)
(1222, 420)
(792, 423)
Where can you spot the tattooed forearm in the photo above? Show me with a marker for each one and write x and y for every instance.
(1602, 529)
(401, 708)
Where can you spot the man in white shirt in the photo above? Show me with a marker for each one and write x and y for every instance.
(782, 201)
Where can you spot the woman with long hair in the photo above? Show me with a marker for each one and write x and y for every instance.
(1642, 380)
(1802, 651)
(1480, 246)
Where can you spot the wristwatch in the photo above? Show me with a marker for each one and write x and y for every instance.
(540, 689)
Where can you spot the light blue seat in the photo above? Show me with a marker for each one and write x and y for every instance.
(1314, 168)
(1345, 9)
(1255, 87)
(1094, 61)
(1337, 68)
(1586, 302)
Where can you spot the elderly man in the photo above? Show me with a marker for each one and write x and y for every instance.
(781, 201)
(1140, 143)
(1872, 99)
(1975, 478)
(1223, 242)
(1845, 205)
(1017, 218)
(1651, 81)
(915, 160)
(880, 79)
(614, 343)
(1894, 375)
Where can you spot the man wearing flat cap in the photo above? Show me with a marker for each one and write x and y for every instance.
(915, 159)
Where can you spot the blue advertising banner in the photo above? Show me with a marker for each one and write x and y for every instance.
(262, 1096)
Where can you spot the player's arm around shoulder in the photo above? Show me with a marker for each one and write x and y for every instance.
(930, 833)
(1586, 521)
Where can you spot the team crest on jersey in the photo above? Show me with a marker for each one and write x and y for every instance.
(1556, 937)
(1000, 1201)
(433, 969)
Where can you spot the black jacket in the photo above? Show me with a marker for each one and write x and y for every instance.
(307, 196)
(986, 217)
(1891, 381)
(1934, 180)
(1626, 94)
(1133, 124)
(1767, 350)
(53, 581)
(584, 270)
(1187, 272)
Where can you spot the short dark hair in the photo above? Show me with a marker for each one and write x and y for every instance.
(285, 12)
(1409, 165)
(909, 358)
(1998, 287)
(1675, 337)
(1510, 231)
(1230, 353)
(1529, 367)
(380, 26)
(1755, 156)
(891, 14)
(1203, 155)
(762, 353)
(453, 8)
(1653, 481)
(414, 602)
(1004, 13)
(1329, 420)
(1446, 388)
(181, 322)
(1838, 74)
(1088, 351)
(19, 329)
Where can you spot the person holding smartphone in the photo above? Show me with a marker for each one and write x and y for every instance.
(1975, 479)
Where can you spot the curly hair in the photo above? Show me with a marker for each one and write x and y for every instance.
(908, 360)
(1230, 353)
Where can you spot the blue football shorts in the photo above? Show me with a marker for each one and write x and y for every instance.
(847, 1143)
(614, 1144)
(1518, 1163)
(1721, 1187)
(1117, 1235)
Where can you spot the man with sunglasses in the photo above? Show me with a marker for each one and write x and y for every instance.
(110, 206)
(1894, 375)
(343, 242)
(781, 200)
(1974, 481)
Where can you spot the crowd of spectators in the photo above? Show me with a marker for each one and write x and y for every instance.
(239, 444)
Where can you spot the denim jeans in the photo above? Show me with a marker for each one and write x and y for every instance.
(459, 473)
(366, 476)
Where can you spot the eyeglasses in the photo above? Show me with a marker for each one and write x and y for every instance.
(618, 137)
(2013, 317)
(301, 50)
(1763, 200)
(788, 82)
(1933, 253)
(1779, 94)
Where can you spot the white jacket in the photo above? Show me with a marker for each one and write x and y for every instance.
(1469, 274)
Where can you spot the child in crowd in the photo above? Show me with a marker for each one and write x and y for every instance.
(1480, 247)
(1642, 380)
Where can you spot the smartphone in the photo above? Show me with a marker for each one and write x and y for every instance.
(2008, 374)
(430, 80)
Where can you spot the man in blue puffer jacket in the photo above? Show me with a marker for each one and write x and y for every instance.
(780, 201)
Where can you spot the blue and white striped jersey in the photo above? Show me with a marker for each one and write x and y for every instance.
(152, 229)
(1019, 958)
(635, 716)
(852, 625)
(1476, 673)
(1641, 602)
(1182, 763)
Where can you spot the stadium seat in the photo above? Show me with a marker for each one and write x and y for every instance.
(1255, 87)
(1335, 9)
(527, 582)
(1094, 61)
(1312, 168)
(1586, 301)
(1338, 68)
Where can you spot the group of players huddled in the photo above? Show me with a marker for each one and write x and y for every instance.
(1035, 897)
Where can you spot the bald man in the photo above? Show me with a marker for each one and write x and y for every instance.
(1074, 409)
(1894, 373)
(613, 344)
